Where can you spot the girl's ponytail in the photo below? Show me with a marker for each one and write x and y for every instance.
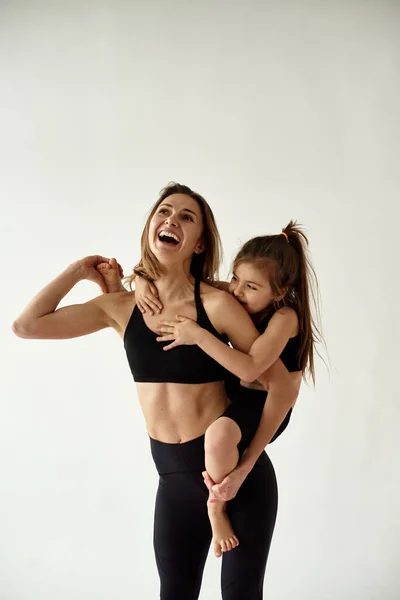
(304, 295)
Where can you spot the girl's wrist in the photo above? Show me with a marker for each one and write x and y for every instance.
(201, 335)
(245, 465)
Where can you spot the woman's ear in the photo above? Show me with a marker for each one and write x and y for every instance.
(200, 248)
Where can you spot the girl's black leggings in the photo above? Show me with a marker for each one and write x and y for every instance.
(182, 533)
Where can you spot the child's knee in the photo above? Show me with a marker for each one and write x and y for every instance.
(222, 436)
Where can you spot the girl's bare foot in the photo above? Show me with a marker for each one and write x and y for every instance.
(224, 538)
(111, 275)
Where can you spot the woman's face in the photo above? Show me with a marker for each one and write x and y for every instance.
(176, 229)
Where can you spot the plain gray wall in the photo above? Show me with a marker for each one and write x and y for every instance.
(273, 111)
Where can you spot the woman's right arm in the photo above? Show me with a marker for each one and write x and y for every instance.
(41, 319)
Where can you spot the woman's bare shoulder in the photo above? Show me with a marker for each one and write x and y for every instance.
(210, 293)
(206, 288)
(215, 298)
(229, 317)
(116, 299)
(118, 305)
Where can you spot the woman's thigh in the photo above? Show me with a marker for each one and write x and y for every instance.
(253, 515)
(182, 535)
(182, 532)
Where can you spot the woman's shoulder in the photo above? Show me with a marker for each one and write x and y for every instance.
(215, 299)
(116, 298)
(118, 305)
(228, 316)
(210, 292)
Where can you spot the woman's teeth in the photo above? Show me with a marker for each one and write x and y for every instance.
(168, 236)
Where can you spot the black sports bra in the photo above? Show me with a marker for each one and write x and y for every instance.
(183, 364)
(290, 353)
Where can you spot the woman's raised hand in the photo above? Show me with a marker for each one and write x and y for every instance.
(146, 296)
(88, 270)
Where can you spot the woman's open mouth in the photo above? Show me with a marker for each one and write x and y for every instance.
(168, 237)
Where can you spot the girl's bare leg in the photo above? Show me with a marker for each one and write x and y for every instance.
(221, 457)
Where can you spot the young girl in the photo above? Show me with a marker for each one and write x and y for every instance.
(272, 278)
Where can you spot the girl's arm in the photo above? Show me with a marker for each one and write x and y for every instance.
(147, 298)
(282, 394)
(228, 317)
(263, 353)
(146, 294)
(283, 389)
(42, 320)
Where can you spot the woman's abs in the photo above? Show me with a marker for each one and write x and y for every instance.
(179, 412)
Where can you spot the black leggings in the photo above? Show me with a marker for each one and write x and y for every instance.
(182, 533)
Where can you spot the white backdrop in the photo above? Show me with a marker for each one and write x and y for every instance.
(272, 110)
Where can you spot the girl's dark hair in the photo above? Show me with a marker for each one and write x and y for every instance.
(203, 266)
(291, 273)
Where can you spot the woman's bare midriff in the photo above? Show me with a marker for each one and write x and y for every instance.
(174, 412)
(179, 412)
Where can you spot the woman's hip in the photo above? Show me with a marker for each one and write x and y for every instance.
(184, 457)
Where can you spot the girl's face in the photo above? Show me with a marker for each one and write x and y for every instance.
(176, 228)
(250, 285)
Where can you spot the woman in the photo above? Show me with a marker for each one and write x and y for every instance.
(181, 392)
